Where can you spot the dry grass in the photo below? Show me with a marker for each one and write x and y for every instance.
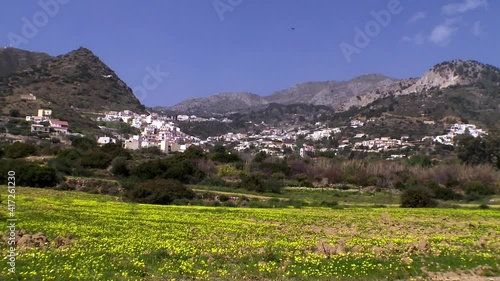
(391, 173)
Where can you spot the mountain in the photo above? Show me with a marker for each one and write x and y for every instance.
(454, 73)
(330, 93)
(13, 60)
(68, 84)
(339, 95)
(342, 95)
(220, 103)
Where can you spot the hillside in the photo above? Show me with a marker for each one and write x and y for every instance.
(220, 103)
(68, 84)
(13, 60)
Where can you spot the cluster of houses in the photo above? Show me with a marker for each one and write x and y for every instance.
(43, 123)
(162, 132)
(194, 118)
(459, 129)
(382, 144)
(155, 131)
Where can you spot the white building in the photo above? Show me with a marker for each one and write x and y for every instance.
(105, 140)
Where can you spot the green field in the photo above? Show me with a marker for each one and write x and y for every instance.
(101, 238)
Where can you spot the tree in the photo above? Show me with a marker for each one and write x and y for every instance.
(420, 160)
(14, 113)
(159, 191)
(480, 150)
(84, 143)
(96, 159)
(20, 150)
(417, 197)
(219, 148)
(260, 156)
(119, 167)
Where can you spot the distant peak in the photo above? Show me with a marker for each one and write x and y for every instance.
(81, 51)
(371, 77)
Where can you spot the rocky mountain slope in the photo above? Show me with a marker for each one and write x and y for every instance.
(13, 60)
(358, 92)
(454, 73)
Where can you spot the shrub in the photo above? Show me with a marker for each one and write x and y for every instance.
(253, 182)
(14, 113)
(258, 182)
(225, 157)
(213, 181)
(227, 170)
(417, 197)
(273, 185)
(484, 206)
(420, 160)
(183, 171)
(329, 203)
(159, 191)
(260, 157)
(96, 159)
(476, 187)
(442, 193)
(150, 169)
(29, 174)
(20, 150)
(84, 143)
(119, 167)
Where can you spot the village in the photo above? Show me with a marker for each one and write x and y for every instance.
(163, 132)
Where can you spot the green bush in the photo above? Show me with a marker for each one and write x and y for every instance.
(329, 203)
(225, 157)
(84, 143)
(20, 150)
(420, 160)
(213, 181)
(417, 197)
(476, 187)
(159, 191)
(96, 159)
(258, 182)
(119, 167)
(442, 193)
(14, 113)
(29, 174)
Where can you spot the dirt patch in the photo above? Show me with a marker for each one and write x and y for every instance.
(25, 240)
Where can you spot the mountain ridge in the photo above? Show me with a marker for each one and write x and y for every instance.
(357, 92)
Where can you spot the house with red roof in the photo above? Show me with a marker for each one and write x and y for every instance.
(59, 126)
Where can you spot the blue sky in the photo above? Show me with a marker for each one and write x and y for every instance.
(259, 46)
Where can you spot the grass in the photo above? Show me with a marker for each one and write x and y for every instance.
(350, 197)
(127, 241)
(312, 196)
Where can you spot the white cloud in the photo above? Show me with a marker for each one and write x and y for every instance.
(417, 39)
(467, 5)
(441, 34)
(417, 16)
(477, 29)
